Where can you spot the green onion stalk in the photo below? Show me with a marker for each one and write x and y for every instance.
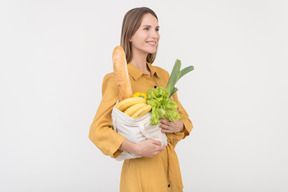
(163, 107)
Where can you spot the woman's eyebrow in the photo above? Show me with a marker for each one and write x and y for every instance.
(150, 26)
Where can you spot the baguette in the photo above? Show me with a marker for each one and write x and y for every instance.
(121, 73)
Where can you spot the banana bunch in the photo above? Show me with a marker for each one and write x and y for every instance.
(134, 106)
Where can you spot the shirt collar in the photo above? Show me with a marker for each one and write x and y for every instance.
(137, 73)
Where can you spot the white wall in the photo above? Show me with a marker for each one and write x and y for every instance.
(54, 55)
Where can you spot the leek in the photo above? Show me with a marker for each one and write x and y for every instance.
(176, 74)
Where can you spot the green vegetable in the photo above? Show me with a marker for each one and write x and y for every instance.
(160, 98)
(176, 74)
(162, 105)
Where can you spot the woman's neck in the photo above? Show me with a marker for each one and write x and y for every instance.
(139, 61)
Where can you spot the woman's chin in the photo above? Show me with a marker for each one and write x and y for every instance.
(152, 51)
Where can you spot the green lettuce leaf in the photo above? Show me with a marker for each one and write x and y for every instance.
(162, 105)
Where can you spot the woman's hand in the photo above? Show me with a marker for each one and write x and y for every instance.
(149, 148)
(171, 126)
(146, 148)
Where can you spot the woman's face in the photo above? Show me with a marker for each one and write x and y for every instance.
(147, 36)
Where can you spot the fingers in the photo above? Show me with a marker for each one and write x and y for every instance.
(167, 131)
(165, 124)
(165, 121)
(151, 147)
(156, 142)
(171, 126)
(166, 128)
(159, 146)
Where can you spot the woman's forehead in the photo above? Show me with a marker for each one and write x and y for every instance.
(149, 19)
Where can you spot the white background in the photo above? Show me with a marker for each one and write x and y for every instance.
(54, 55)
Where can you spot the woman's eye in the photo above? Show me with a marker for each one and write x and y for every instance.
(157, 29)
(146, 28)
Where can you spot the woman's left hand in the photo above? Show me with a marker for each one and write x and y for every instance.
(171, 126)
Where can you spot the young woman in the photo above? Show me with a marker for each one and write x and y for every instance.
(158, 169)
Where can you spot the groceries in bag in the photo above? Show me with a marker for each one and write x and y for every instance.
(131, 115)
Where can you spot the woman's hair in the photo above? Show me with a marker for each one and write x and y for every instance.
(131, 22)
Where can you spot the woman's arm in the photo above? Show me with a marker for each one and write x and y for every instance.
(187, 124)
(101, 130)
(146, 148)
(184, 125)
(178, 129)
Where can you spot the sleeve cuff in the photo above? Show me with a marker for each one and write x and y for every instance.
(187, 127)
(186, 131)
(118, 152)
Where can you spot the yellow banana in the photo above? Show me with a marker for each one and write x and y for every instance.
(131, 110)
(126, 103)
(142, 111)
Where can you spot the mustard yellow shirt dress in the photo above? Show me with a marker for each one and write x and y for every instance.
(160, 173)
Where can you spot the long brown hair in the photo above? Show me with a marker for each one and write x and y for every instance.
(131, 22)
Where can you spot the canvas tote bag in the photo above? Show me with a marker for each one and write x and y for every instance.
(136, 130)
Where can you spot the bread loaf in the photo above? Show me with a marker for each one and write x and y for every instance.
(121, 73)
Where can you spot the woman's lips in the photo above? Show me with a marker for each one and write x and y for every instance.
(152, 43)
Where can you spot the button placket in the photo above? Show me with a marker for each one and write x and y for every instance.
(152, 82)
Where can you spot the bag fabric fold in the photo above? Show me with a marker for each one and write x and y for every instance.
(136, 130)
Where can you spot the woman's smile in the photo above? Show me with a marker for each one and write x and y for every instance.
(152, 43)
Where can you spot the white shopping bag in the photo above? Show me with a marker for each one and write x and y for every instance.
(136, 130)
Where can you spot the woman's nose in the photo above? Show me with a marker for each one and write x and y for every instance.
(155, 34)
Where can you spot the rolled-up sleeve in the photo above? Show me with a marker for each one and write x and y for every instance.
(101, 130)
(185, 117)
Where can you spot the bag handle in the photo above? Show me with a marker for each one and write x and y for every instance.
(114, 121)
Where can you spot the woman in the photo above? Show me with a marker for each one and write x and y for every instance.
(158, 169)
